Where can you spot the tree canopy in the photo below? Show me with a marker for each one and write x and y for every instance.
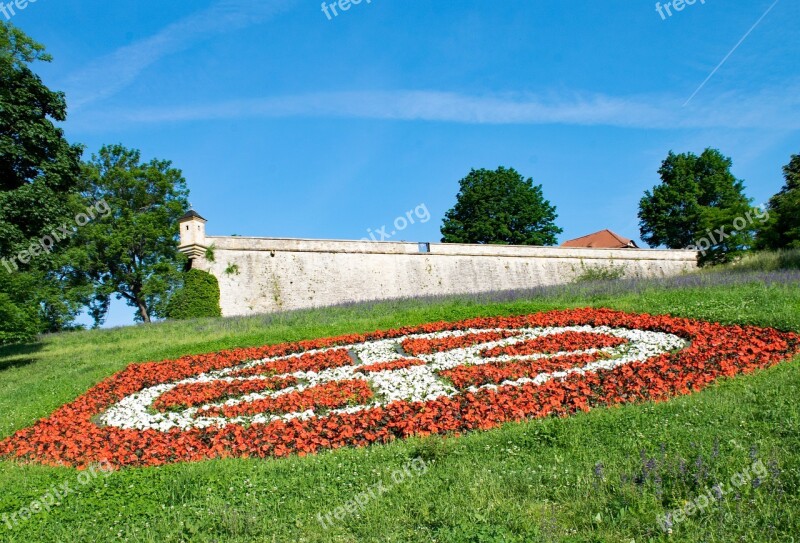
(38, 167)
(39, 173)
(782, 230)
(500, 207)
(698, 196)
(131, 251)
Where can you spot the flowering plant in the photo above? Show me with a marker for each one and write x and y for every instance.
(373, 388)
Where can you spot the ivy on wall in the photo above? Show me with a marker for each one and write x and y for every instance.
(197, 298)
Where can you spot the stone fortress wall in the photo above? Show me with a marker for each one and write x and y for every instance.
(265, 275)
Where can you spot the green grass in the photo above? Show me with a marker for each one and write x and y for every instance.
(537, 481)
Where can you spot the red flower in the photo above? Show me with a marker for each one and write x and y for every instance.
(327, 396)
(194, 394)
(557, 343)
(438, 345)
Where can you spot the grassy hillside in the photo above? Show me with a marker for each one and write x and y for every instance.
(600, 476)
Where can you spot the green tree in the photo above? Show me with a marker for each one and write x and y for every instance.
(782, 229)
(39, 173)
(500, 207)
(131, 251)
(696, 204)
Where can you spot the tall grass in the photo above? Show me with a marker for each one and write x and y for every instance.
(788, 259)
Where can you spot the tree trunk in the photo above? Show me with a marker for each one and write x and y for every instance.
(143, 311)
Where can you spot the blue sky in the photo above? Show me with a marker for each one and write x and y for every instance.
(289, 124)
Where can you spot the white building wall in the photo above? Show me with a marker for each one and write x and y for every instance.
(263, 275)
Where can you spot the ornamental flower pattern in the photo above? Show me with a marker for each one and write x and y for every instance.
(355, 390)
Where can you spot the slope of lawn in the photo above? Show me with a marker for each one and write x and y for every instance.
(598, 476)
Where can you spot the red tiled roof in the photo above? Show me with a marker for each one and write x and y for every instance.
(604, 239)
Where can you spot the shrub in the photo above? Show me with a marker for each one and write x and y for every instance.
(600, 273)
(18, 324)
(197, 298)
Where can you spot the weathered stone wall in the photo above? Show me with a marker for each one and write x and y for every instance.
(262, 275)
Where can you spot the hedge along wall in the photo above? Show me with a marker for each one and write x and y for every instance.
(197, 298)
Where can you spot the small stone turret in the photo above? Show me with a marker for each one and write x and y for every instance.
(193, 235)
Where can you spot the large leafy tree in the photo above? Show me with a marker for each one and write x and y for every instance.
(501, 207)
(39, 172)
(130, 251)
(782, 229)
(697, 203)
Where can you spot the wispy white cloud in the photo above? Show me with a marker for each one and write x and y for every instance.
(770, 109)
(109, 74)
(773, 109)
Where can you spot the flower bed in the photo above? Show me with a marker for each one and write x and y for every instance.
(359, 389)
